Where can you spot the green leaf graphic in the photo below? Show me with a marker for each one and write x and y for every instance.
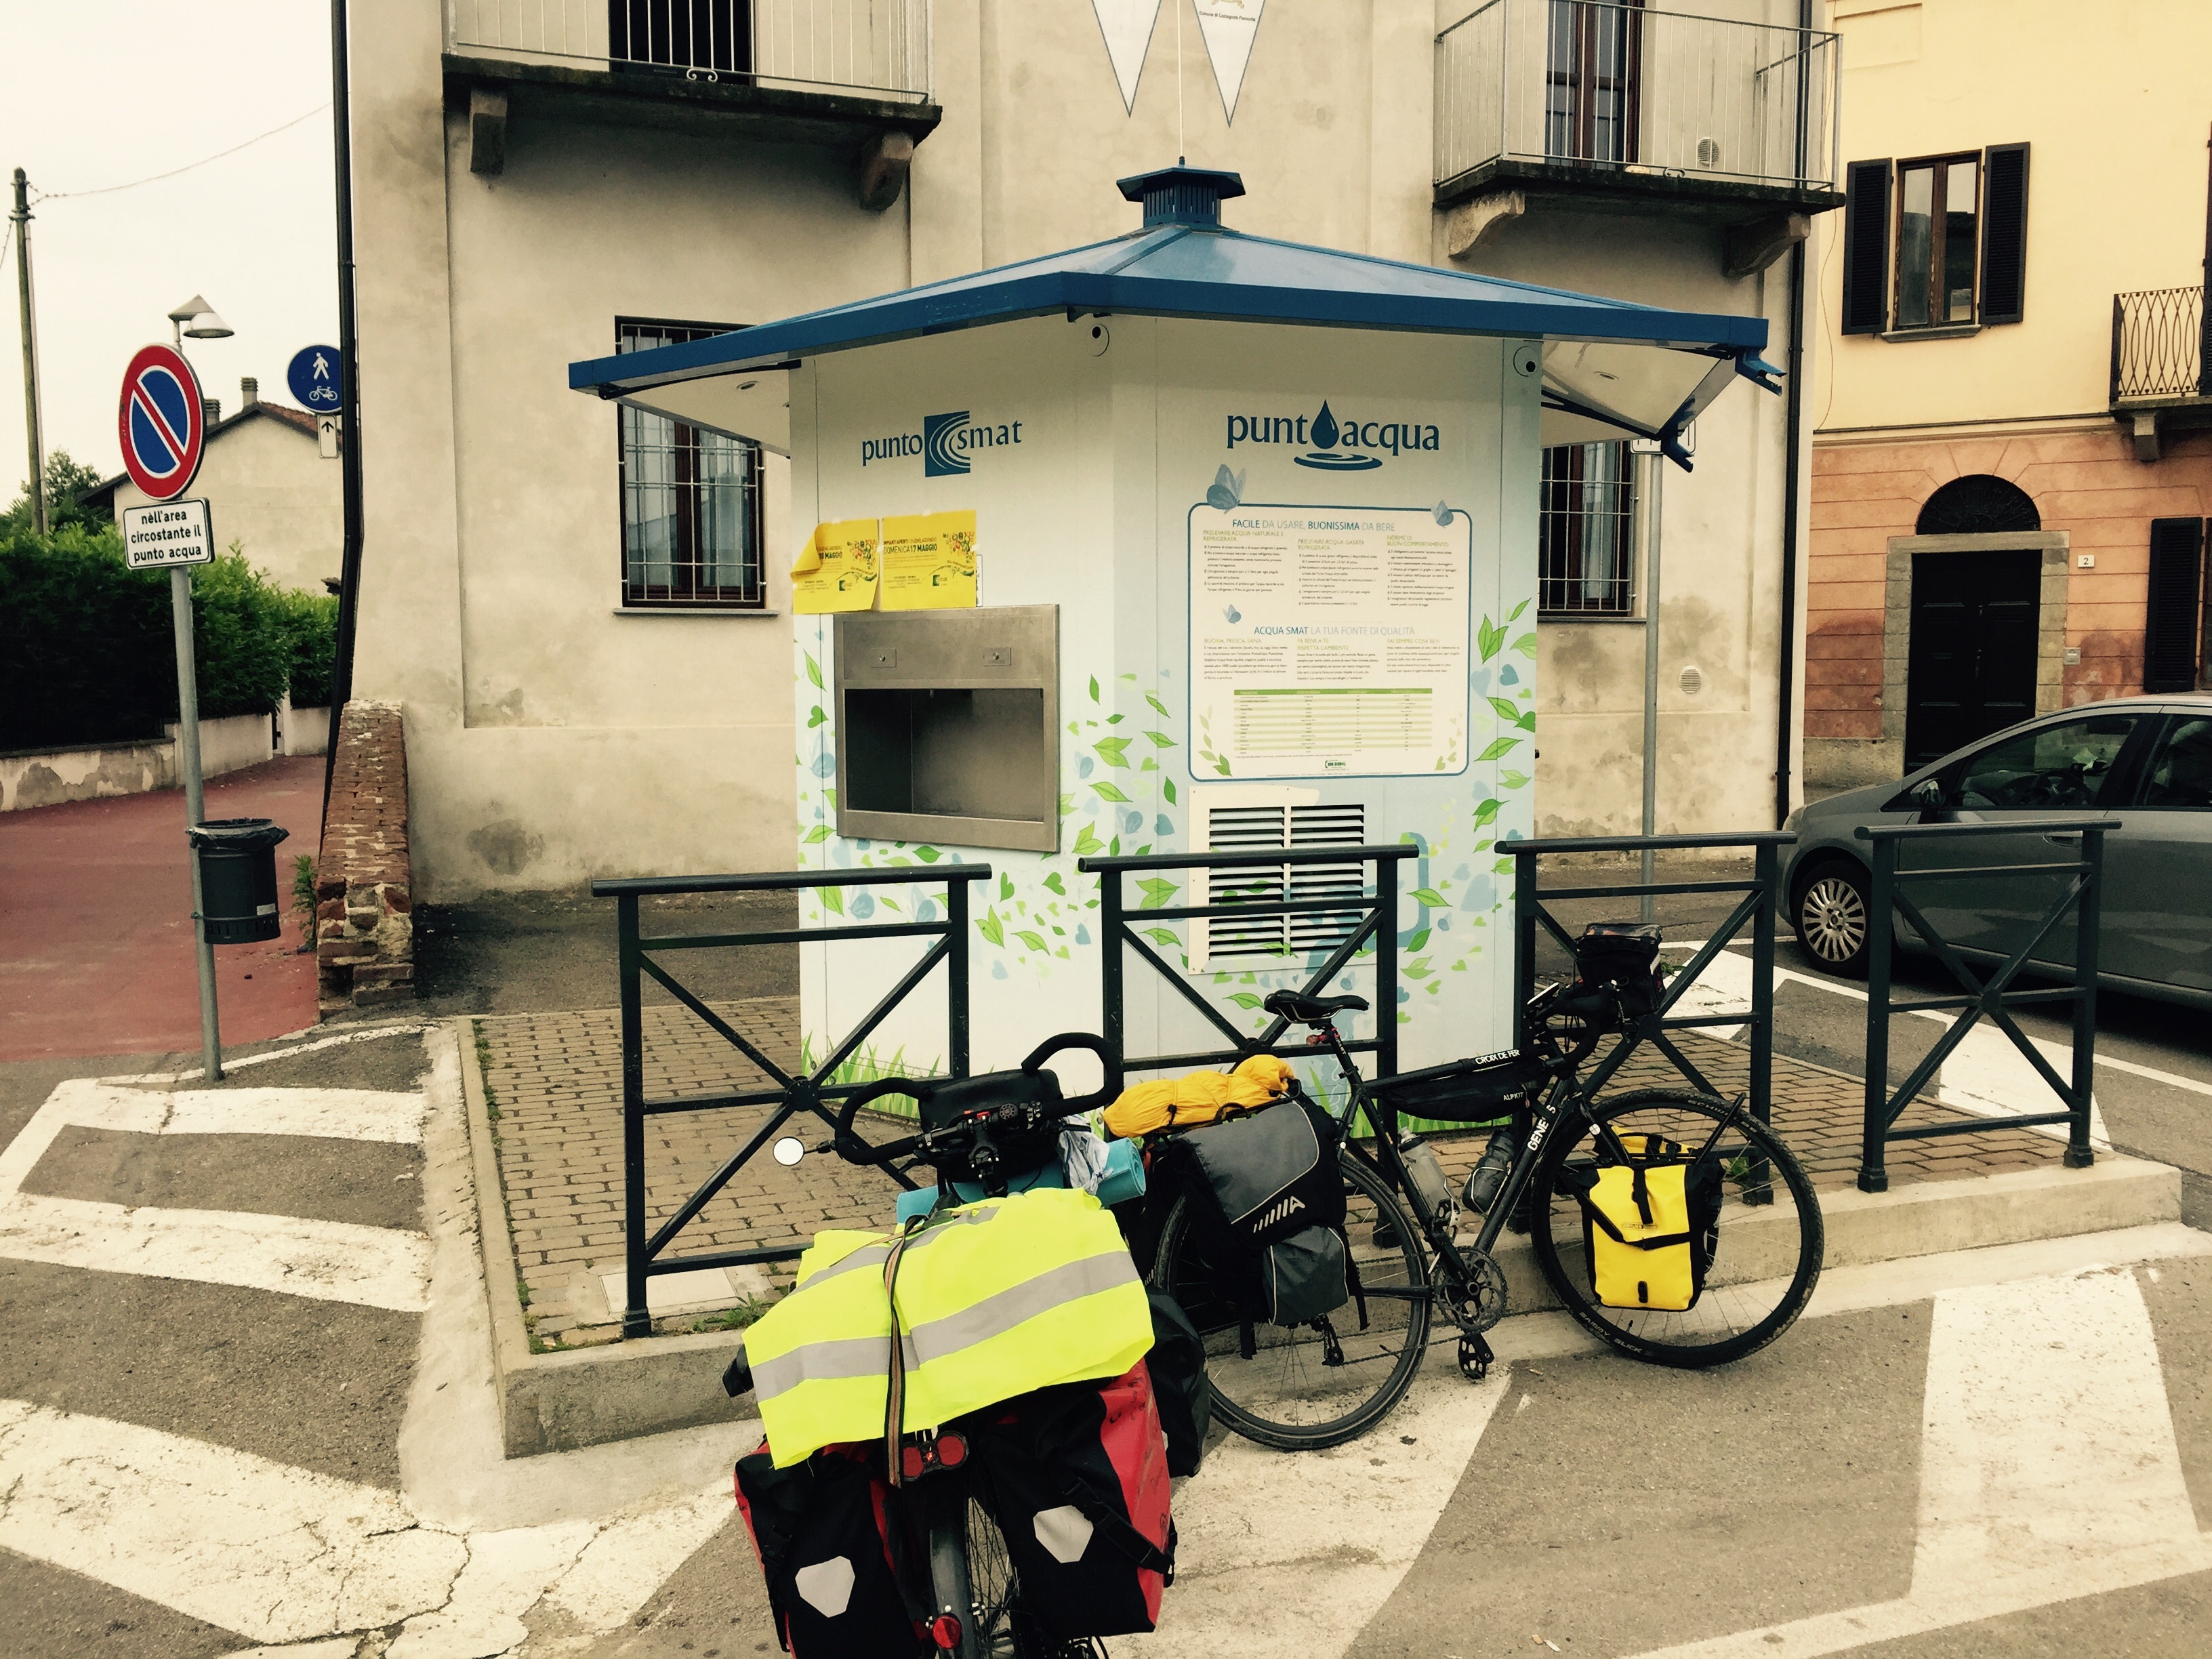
(1515, 615)
(832, 900)
(991, 928)
(1110, 750)
(1158, 704)
(1161, 740)
(1160, 936)
(1430, 897)
(1157, 892)
(1508, 712)
(1502, 746)
(1489, 637)
(1087, 841)
(1514, 779)
(1526, 645)
(820, 832)
(1094, 688)
(814, 673)
(1005, 886)
(1167, 789)
(1053, 881)
(1108, 791)
(1420, 940)
(1486, 810)
(1034, 941)
(815, 717)
(928, 854)
(1242, 999)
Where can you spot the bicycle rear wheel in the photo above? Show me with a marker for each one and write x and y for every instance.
(971, 1573)
(1301, 1387)
(1771, 1239)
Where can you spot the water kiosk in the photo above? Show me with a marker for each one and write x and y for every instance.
(1184, 541)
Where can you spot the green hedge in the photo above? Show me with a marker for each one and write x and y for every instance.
(87, 652)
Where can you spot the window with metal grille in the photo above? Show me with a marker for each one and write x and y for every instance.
(1250, 819)
(1585, 557)
(691, 501)
(1593, 53)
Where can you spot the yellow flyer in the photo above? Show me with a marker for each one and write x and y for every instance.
(929, 562)
(836, 569)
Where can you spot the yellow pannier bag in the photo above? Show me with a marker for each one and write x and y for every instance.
(1196, 1097)
(995, 1298)
(1649, 1225)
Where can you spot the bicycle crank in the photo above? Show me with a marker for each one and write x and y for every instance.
(1478, 1300)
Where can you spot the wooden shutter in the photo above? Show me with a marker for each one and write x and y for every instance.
(1866, 247)
(2177, 559)
(2004, 233)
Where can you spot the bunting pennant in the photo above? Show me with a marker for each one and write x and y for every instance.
(1127, 26)
(1228, 27)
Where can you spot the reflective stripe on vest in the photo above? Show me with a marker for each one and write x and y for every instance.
(995, 1300)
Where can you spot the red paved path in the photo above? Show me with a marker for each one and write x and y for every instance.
(96, 929)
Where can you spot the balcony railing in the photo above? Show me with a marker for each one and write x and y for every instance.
(1631, 90)
(2159, 345)
(879, 47)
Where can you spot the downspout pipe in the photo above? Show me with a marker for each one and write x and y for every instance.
(348, 394)
(1786, 713)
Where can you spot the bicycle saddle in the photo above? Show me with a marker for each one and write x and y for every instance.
(1309, 1010)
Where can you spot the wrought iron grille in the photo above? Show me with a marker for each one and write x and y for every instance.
(1586, 558)
(2158, 344)
(692, 502)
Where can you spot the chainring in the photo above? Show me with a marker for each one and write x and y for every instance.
(1482, 1303)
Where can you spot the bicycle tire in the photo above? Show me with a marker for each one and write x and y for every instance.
(1691, 1341)
(1184, 1270)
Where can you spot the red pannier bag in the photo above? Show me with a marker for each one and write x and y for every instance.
(1076, 1476)
(823, 1531)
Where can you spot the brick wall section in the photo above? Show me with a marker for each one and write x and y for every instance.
(364, 903)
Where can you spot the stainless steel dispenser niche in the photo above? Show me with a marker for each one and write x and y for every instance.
(948, 727)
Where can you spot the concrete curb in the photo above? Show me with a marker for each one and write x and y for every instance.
(550, 1402)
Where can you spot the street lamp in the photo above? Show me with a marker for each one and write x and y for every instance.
(196, 319)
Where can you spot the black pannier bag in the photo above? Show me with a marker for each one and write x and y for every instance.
(1303, 1276)
(1625, 955)
(824, 1535)
(1465, 1091)
(1264, 1174)
(1177, 1364)
(940, 1104)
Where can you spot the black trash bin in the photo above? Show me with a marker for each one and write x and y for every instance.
(238, 878)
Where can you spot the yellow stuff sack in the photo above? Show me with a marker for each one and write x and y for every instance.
(1196, 1097)
(1649, 1225)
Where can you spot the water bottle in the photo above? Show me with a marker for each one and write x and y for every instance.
(1426, 1176)
(1489, 1173)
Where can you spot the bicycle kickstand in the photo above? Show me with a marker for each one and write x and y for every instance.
(1476, 1358)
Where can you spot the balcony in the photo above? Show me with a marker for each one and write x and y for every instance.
(1584, 107)
(2160, 379)
(837, 72)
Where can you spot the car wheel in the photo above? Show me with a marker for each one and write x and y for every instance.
(1831, 916)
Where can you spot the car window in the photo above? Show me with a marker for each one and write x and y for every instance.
(2179, 773)
(2054, 766)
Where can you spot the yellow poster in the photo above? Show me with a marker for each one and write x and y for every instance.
(836, 569)
(929, 562)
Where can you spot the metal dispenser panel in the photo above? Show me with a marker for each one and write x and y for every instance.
(948, 725)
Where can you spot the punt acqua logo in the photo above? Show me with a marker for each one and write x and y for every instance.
(1349, 445)
(945, 442)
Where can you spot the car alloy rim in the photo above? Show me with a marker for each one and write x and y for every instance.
(1835, 920)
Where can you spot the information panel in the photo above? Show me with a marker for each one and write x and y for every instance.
(1328, 641)
(167, 533)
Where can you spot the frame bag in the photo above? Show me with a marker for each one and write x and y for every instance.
(1650, 1225)
(1077, 1478)
(1266, 1175)
(824, 1532)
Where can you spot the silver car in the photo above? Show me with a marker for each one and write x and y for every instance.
(2144, 763)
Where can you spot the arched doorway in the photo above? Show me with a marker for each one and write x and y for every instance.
(1977, 579)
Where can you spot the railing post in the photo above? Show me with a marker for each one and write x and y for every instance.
(1765, 862)
(1874, 1176)
(1524, 944)
(1386, 966)
(637, 1317)
(955, 969)
(1112, 1026)
(2117, 314)
(2088, 917)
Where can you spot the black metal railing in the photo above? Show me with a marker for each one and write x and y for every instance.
(1757, 907)
(2158, 345)
(1376, 909)
(2082, 893)
(792, 1093)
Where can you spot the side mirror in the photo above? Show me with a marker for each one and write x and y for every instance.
(788, 1150)
(1929, 795)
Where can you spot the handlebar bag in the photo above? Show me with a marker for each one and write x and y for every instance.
(1650, 1225)
(1077, 1478)
(1303, 1276)
(1625, 955)
(1265, 1175)
(994, 1299)
(823, 1531)
(942, 1104)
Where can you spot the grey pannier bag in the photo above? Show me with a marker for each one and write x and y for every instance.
(1303, 1276)
(1266, 1175)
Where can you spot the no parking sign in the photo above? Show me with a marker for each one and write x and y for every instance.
(160, 423)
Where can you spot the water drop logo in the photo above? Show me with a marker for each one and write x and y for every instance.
(940, 434)
(1325, 455)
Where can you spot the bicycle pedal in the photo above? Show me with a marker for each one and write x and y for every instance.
(1475, 1358)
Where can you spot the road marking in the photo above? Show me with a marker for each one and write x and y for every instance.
(1264, 1540)
(328, 1260)
(369, 1034)
(328, 1113)
(505, 1575)
(2049, 1469)
(601, 1590)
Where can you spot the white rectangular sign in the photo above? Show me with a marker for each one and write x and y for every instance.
(167, 533)
(1328, 641)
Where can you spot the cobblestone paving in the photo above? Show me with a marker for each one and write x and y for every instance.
(556, 1082)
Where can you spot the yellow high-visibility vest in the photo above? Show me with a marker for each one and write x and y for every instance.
(995, 1298)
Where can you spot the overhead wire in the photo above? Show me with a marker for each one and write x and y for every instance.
(155, 178)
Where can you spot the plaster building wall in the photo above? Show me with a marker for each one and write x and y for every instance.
(1897, 418)
(268, 488)
(553, 736)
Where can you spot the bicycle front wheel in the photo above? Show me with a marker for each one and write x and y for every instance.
(1300, 1388)
(1771, 1238)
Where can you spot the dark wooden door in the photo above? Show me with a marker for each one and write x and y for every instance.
(1971, 670)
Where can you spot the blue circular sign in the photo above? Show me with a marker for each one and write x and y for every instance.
(316, 377)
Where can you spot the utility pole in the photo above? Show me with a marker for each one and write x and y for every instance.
(21, 220)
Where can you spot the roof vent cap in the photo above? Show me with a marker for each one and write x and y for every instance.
(1182, 195)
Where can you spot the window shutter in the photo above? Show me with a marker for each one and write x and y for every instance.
(2170, 608)
(1866, 247)
(2004, 234)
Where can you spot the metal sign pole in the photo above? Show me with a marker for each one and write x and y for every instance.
(188, 760)
(1644, 517)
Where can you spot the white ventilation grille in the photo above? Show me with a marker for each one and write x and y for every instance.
(1234, 819)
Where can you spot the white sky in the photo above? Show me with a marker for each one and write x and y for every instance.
(98, 93)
